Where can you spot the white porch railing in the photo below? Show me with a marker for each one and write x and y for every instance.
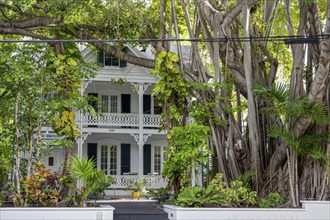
(152, 181)
(152, 120)
(121, 119)
(111, 119)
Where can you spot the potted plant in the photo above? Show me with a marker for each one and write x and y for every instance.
(137, 187)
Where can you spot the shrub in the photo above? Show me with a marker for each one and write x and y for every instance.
(92, 181)
(273, 200)
(39, 189)
(161, 194)
(1, 198)
(217, 195)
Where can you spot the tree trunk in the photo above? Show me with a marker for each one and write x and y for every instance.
(254, 139)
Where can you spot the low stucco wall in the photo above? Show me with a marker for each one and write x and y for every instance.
(43, 213)
(316, 210)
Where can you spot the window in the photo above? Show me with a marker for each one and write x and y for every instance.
(50, 161)
(157, 159)
(104, 104)
(104, 158)
(109, 105)
(113, 160)
(111, 61)
(106, 60)
(109, 159)
(114, 104)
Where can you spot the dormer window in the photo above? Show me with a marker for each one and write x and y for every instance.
(105, 60)
(111, 61)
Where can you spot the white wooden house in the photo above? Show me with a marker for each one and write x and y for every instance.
(124, 138)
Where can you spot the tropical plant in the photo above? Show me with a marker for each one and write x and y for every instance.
(1, 198)
(85, 179)
(39, 189)
(273, 200)
(137, 186)
(196, 196)
(160, 194)
(186, 151)
(216, 194)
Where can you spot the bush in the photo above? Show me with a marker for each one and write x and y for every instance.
(39, 189)
(217, 195)
(92, 181)
(161, 194)
(1, 198)
(273, 200)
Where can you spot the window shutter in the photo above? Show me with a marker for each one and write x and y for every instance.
(100, 58)
(123, 63)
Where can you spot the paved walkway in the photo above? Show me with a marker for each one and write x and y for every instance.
(136, 210)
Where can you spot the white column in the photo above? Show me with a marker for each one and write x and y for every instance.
(80, 141)
(83, 137)
(140, 142)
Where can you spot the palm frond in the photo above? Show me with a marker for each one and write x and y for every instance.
(279, 92)
(317, 153)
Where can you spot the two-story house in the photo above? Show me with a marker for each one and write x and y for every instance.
(124, 138)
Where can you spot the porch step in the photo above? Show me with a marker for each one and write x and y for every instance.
(138, 211)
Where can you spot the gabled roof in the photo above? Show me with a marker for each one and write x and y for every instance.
(130, 73)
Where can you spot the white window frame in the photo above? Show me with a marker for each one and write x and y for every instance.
(108, 143)
(109, 102)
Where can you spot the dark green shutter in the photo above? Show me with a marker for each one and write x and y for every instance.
(100, 58)
(125, 158)
(123, 63)
(146, 159)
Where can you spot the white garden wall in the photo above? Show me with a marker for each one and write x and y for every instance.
(316, 210)
(43, 213)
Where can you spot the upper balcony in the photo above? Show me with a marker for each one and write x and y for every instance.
(120, 120)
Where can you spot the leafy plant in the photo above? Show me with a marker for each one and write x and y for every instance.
(90, 180)
(217, 195)
(187, 149)
(161, 194)
(39, 189)
(137, 186)
(290, 110)
(273, 200)
(1, 198)
(197, 196)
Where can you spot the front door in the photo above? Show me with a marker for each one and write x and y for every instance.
(92, 152)
(125, 158)
(146, 159)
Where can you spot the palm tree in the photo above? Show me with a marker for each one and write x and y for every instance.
(89, 179)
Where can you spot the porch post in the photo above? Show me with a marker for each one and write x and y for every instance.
(140, 142)
(83, 137)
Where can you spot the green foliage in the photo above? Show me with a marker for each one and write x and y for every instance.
(91, 180)
(308, 144)
(273, 200)
(161, 194)
(171, 89)
(1, 198)
(218, 195)
(196, 196)
(187, 149)
(279, 94)
(137, 186)
(39, 189)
